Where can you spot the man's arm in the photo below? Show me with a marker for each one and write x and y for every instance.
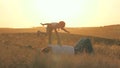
(58, 37)
(65, 30)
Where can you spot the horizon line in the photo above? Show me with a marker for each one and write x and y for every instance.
(65, 27)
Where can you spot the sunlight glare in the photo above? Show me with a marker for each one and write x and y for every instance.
(55, 10)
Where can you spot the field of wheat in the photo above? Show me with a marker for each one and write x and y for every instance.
(22, 50)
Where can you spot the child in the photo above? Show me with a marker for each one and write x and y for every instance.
(55, 26)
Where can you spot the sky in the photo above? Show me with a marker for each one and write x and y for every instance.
(76, 13)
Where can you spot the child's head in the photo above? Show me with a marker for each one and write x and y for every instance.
(61, 24)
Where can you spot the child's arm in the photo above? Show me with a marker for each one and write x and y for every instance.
(65, 30)
(44, 24)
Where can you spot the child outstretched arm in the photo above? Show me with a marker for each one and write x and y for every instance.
(65, 30)
(44, 24)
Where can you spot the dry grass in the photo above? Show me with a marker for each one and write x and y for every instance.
(22, 50)
(103, 32)
(110, 32)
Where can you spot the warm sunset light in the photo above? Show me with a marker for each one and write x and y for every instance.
(56, 10)
(76, 13)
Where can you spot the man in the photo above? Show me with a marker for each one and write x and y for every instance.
(84, 45)
(55, 26)
(56, 49)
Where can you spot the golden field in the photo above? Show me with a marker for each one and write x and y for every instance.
(20, 48)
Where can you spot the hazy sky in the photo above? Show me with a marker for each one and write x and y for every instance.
(76, 13)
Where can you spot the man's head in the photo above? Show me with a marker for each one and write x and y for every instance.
(61, 24)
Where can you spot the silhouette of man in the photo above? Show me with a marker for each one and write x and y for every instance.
(55, 26)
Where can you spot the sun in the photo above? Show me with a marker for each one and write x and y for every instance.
(55, 10)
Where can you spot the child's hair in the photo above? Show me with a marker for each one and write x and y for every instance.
(62, 24)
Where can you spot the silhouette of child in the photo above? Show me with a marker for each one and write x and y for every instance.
(55, 26)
